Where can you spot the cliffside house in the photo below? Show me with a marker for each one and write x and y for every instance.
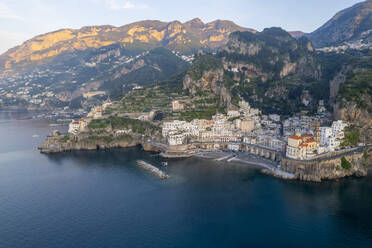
(73, 127)
(301, 146)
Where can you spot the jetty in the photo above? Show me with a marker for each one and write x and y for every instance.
(154, 170)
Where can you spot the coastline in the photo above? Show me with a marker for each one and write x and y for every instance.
(325, 168)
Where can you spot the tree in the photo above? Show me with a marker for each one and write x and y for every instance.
(351, 137)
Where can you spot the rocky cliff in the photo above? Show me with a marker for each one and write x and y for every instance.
(351, 94)
(266, 68)
(207, 74)
(274, 52)
(61, 143)
(331, 167)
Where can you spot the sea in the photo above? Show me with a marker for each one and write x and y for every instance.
(103, 199)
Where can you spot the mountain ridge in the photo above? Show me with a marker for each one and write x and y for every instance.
(185, 37)
(348, 25)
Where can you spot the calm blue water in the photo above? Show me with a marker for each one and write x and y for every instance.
(102, 199)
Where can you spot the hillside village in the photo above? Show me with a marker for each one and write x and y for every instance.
(299, 137)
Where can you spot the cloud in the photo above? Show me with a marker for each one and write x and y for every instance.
(7, 13)
(122, 5)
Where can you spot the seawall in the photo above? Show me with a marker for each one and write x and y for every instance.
(328, 167)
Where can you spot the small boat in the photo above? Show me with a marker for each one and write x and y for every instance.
(35, 136)
(164, 163)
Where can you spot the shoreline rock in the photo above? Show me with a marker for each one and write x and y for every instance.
(328, 168)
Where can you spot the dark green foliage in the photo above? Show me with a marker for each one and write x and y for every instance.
(99, 123)
(159, 64)
(65, 138)
(365, 155)
(200, 113)
(202, 64)
(358, 88)
(76, 103)
(345, 164)
(109, 138)
(234, 118)
(351, 137)
(106, 139)
(275, 47)
(137, 126)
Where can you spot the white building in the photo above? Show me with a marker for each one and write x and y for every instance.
(176, 139)
(275, 117)
(338, 126)
(233, 113)
(171, 126)
(331, 137)
(325, 134)
(73, 127)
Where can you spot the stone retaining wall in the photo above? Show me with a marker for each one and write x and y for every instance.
(326, 168)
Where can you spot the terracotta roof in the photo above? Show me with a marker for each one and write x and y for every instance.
(295, 137)
(311, 141)
(307, 135)
(303, 144)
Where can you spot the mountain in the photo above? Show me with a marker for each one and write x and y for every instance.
(350, 25)
(186, 37)
(70, 77)
(296, 34)
(69, 63)
(156, 65)
(272, 70)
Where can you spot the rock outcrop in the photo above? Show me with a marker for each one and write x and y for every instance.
(266, 68)
(328, 167)
(351, 99)
(210, 81)
(61, 143)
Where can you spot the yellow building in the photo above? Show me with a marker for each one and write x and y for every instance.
(301, 146)
(247, 126)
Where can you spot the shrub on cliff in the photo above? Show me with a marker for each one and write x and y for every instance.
(345, 164)
(137, 126)
(204, 63)
(97, 124)
(351, 137)
(65, 138)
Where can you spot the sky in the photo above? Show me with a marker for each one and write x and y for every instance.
(21, 20)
